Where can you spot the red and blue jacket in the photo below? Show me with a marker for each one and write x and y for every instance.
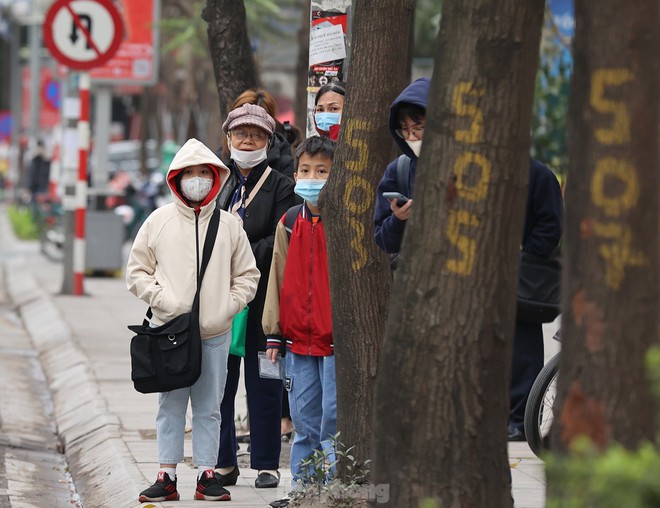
(297, 308)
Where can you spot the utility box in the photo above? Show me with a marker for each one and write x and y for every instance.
(104, 232)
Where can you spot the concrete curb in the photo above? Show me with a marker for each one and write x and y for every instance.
(102, 467)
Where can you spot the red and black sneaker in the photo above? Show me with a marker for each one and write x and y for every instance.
(209, 487)
(163, 490)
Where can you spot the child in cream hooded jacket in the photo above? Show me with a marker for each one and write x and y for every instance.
(161, 267)
(162, 270)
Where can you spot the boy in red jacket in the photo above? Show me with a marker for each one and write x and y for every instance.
(298, 311)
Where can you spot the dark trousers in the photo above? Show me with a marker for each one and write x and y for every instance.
(526, 364)
(264, 401)
(286, 411)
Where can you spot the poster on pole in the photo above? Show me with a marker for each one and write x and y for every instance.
(136, 60)
(49, 90)
(329, 43)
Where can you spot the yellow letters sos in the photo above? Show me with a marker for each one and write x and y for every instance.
(614, 235)
(462, 221)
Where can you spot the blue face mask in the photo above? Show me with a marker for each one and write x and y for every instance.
(309, 190)
(326, 120)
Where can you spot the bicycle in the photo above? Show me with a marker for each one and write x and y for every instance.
(48, 218)
(539, 413)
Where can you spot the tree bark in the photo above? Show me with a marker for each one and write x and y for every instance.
(611, 292)
(359, 271)
(442, 394)
(233, 63)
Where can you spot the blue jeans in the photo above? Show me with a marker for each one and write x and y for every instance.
(313, 402)
(205, 397)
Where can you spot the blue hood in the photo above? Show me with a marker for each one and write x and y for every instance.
(416, 93)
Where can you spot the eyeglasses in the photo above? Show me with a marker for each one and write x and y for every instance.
(418, 132)
(254, 136)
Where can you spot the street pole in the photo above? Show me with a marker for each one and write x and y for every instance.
(326, 17)
(34, 35)
(102, 120)
(81, 186)
(69, 164)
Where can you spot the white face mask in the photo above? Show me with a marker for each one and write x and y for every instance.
(415, 146)
(248, 159)
(196, 188)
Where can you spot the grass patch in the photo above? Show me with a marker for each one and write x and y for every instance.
(22, 223)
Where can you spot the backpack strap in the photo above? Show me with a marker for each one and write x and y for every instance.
(290, 219)
(403, 175)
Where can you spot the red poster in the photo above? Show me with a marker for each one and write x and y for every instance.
(135, 60)
(49, 98)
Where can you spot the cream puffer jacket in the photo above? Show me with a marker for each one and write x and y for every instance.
(161, 266)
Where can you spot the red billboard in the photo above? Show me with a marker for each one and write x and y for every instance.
(135, 62)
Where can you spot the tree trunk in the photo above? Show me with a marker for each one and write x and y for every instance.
(442, 397)
(231, 53)
(611, 292)
(359, 271)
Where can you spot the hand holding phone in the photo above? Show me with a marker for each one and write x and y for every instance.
(400, 198)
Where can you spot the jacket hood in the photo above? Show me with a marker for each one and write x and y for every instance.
(192, 153)
(416, 93)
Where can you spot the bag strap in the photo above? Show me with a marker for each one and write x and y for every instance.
(253, 193)
(290, 219)
(403, 175)
(209, 242)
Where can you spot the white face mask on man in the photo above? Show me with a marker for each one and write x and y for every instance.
(196, 188)
(415, 146)
(248, 158)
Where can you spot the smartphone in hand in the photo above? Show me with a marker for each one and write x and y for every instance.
(400, 198)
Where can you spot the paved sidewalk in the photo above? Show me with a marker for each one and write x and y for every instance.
(106, 426)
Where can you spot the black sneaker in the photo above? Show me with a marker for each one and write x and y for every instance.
(230, 478)
(163, 490)
(209, 487)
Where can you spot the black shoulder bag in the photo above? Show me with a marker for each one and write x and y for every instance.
(169, 356)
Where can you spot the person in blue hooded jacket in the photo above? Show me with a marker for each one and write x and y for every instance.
(406, 123)
(540, 236)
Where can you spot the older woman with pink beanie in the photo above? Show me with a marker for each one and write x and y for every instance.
(259, 197)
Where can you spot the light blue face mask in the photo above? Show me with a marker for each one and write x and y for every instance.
(326, 120)
(309, 189)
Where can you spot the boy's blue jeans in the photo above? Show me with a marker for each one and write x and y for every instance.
(313, 402)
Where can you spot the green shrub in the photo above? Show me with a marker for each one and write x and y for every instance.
(615, 478)
(23, 223)
(320, 487)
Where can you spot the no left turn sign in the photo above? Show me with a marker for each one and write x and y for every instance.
(83, 34)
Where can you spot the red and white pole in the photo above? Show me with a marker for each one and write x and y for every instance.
(81, 186)
(55, 168)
